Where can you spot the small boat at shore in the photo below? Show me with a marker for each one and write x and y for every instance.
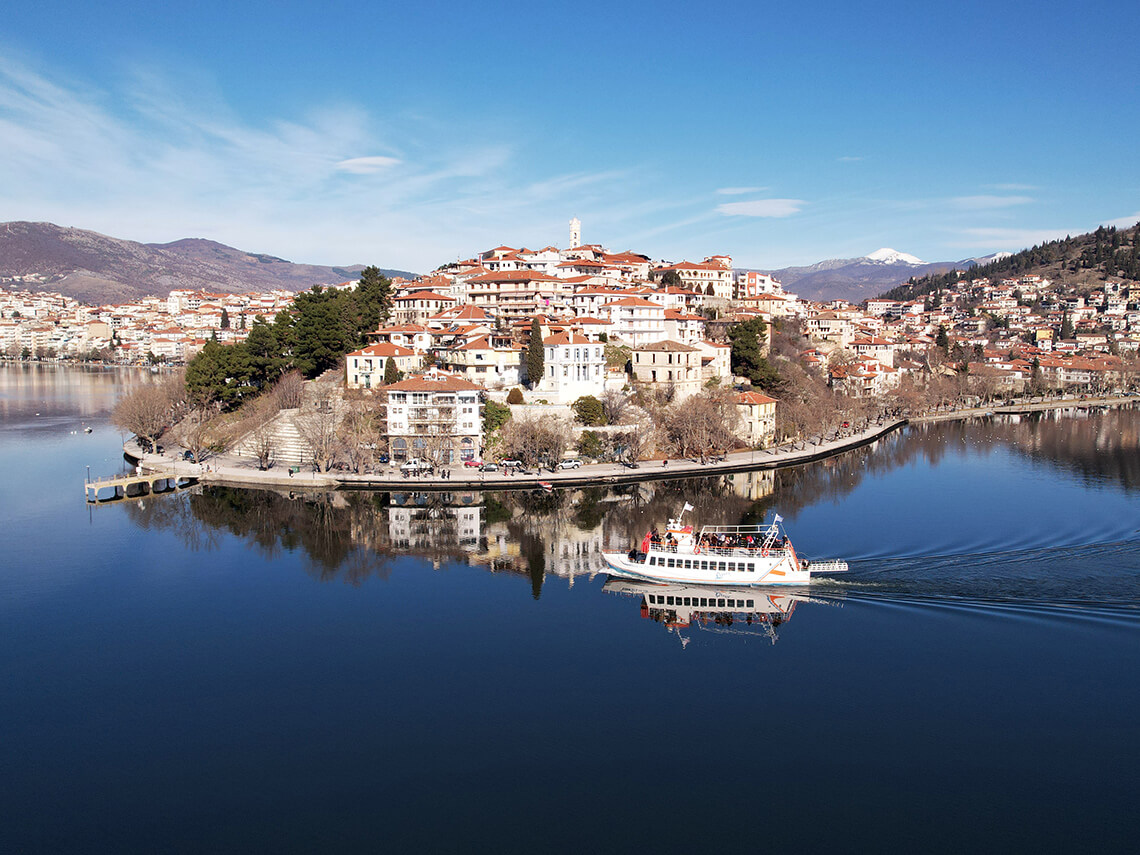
(722, 555)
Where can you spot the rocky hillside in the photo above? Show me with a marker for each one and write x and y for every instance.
(96, 268)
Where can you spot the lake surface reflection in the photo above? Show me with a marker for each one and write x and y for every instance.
(236, 670)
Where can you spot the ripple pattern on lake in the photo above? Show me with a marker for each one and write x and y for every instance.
(1099, 578)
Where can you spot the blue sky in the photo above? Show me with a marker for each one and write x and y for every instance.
(407, 135)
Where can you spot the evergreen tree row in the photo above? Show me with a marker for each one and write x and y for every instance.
(322, 325)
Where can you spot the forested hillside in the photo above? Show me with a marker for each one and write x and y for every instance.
(1082, 261)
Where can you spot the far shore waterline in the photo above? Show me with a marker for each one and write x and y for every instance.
(243, 473)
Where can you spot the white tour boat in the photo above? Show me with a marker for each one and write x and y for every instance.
(737, 555)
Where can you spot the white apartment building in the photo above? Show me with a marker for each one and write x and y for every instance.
(435, 416)
(574, 366)
(636, 321)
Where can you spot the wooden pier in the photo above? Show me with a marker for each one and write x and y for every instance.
(135, 485)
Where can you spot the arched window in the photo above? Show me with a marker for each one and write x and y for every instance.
(399, 448)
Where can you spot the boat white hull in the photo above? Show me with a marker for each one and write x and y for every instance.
(761, 570)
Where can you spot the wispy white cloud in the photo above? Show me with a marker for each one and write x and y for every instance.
(762, 208)
(1008, 239)
(147, 163)
(986, 203)
(1012, 187)
(850, 158)
(739, 191)
(1125, 222)
(367, 165)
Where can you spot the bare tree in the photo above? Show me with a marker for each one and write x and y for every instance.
(631, 445)
(361, 433)
(289, 390)
(318, 427)
(614, 404)
(536, 441)
(254, 421)
(202, 430)
(703, 423)
(145, 411)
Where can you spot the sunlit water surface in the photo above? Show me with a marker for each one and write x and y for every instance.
(230, 670)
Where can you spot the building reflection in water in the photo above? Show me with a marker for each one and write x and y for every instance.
(354, 535)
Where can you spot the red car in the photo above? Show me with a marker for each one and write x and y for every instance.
(473, 463)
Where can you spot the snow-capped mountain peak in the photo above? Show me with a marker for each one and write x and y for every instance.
(886, 255)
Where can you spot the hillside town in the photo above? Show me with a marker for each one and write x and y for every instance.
(617, 323)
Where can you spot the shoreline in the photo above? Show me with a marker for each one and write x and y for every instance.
(233, 472)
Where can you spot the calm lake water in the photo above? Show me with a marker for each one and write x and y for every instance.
(234, 671)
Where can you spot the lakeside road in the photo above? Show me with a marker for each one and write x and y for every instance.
(229, 470)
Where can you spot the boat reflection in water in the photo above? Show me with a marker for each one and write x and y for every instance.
(741, 611)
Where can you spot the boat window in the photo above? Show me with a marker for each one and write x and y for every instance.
(732, 566)
(720, 566)
(751, 603)
(751, 566)
(687, 603)
(669, 601)
(720, 603)
(704, 601)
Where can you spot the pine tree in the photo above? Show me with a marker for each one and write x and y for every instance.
(373, 298)
(535, 357)
(391, 373)
(1066, 327)
(747, 356)
(225, 319)
(942, 340)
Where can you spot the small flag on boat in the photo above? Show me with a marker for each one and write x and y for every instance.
(687, 507)
(778, 519)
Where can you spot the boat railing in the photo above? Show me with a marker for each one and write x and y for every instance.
(756, 548)
(727, 530)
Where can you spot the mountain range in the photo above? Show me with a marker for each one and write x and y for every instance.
(95, 268)
(858, 279)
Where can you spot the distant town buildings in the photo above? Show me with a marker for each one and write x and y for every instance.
(616, 320)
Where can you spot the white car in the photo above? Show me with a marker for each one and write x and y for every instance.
(570, 464)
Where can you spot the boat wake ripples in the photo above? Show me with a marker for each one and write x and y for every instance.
(1095, 579)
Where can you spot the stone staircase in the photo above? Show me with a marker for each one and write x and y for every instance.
(290, 448)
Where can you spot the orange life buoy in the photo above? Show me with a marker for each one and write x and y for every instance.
(764, 551)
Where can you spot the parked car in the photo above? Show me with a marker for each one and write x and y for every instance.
(511, 464)
(488, 467)
(573, 463)
(474, 464)
(416, 464)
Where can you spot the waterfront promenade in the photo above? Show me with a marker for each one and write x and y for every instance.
(230, 470)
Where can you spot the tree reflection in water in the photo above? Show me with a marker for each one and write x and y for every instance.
(353, 536)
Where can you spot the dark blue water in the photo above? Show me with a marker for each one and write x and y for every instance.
(242, 671)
